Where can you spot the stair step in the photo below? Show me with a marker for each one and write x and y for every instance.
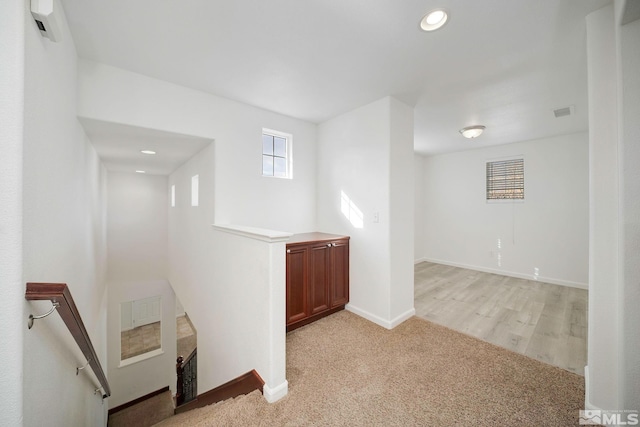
(211, 411)
(146, 413)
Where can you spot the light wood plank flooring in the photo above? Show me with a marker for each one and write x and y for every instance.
(543, 321)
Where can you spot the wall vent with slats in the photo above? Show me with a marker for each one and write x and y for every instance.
(562, 112)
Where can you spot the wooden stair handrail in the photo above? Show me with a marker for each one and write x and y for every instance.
(193, 353)
(59, 292)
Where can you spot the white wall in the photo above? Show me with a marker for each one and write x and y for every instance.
(226, 283)
(401, 210)
(189, 228)
(629, 45)
(242, 195)
(12, 22)
(179, 308)
(548, 231)
(418, 209)
(232, 190)
(354, 157)
(63, 236)
(138, 379)
(604, 349)
(137, 234)
(137, 228)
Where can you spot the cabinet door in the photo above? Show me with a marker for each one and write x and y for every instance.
(319, 276)
(339, 273)
(297, 261)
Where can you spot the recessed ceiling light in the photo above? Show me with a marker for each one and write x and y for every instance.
(148, 152)
(141, 171)
(433, 20)
(472, 131)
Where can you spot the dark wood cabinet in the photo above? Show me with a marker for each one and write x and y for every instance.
(317, 277)
(297, 260)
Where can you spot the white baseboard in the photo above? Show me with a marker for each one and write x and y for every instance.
(587, 404)
(551, 280)
(401, 318)
(387, 324)
(369, 316)
(419, 260)
(276, 393)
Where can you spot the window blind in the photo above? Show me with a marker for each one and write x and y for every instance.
(505, 179)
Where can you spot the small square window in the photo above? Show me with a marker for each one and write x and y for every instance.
(276, 154)
(505, 180)
(173, 196)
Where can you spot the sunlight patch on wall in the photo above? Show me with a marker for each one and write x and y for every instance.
(351, 211)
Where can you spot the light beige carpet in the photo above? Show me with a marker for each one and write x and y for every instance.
(346, 371)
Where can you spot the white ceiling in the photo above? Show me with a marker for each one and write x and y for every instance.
(505, 64)
(119, 146)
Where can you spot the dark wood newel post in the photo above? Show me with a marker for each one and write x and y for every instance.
(180, 385)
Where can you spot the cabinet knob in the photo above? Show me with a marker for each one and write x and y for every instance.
(288, 251)
(328, 245)
(334, 245)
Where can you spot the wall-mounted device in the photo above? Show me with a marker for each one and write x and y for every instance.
(47, 18)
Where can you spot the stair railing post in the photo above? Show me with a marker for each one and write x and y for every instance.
(180, 384)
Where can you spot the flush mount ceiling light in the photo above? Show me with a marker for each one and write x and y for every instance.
(147, 152)
(472, 131)
(433, 20)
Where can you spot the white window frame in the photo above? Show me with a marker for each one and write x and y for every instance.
(505, 159)
(289, 152)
